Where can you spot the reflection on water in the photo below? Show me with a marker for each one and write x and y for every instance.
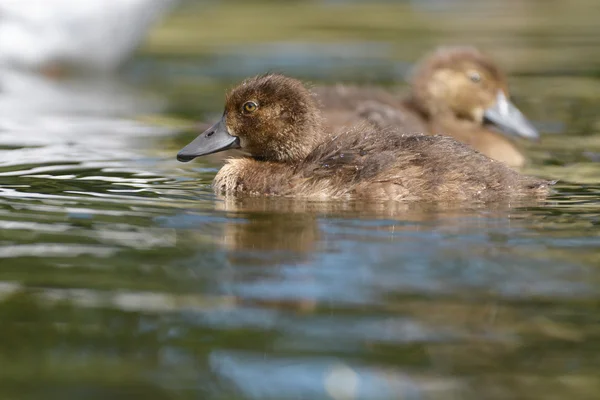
(27, 94)
(123, 276)
(136, 285)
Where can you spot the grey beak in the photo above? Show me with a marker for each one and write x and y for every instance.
(214, 139)
(506, 116)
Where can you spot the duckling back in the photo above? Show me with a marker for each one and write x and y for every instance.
(383, 164)
(345, 106)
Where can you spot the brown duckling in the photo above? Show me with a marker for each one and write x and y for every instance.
(455, 91)
(277, 121)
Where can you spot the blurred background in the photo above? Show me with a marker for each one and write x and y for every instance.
(122, 276)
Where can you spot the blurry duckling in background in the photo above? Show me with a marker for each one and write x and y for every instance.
(277, 120)
(455, 91)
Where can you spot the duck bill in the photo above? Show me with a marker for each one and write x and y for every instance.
(507, 117)
(214, 139)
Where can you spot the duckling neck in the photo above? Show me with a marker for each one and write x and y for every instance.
(271, 171)
(436, 115)
(482, 139)
(293, 145)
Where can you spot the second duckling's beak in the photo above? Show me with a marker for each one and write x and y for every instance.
(214, 139)
(506, 116)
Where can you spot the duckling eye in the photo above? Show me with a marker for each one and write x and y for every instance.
(249, 107)
(474, 76)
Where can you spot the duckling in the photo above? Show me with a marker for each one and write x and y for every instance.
(455, 91)
(277, 121)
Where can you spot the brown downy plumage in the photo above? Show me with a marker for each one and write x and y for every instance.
(277, 120)
(456, 91)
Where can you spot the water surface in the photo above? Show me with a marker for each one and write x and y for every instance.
(123, 276)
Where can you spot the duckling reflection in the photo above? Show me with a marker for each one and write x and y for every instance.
(457, 91)
(277, 121)
(288, 230)
(284, 238)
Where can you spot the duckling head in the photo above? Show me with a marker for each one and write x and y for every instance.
(272, 117)
(463, 83)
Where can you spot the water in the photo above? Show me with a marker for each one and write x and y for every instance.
(122, 276)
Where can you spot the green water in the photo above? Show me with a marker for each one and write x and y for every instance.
(122, 276)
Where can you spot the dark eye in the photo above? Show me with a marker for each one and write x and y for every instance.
(249, 107)
(474, 76)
